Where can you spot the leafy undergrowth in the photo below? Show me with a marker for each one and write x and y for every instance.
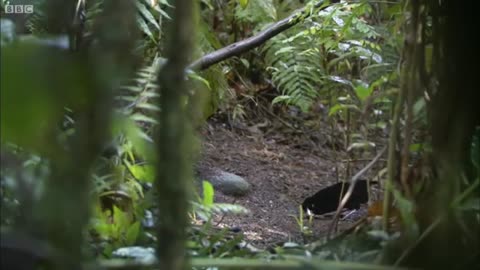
(270, 227)
(208, 243)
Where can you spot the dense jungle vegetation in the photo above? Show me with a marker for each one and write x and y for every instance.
(111, 109)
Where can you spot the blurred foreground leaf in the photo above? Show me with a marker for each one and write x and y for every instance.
(37, 82)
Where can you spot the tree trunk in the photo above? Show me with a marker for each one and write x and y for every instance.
(173, 145)
(454, 112)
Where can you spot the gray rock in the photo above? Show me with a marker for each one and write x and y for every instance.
(228, 183)
(140, 254)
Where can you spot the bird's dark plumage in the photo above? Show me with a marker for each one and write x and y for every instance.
(326, 200)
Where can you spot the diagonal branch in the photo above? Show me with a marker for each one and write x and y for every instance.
(351, 188)
(245, 45)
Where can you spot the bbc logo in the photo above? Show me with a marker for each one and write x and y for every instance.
(18, 9)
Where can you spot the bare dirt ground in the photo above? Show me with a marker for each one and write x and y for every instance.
(281, 173)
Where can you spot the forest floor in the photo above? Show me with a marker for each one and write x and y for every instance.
(282, 169)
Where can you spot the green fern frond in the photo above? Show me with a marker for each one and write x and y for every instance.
(330, 41)
(149, 19)
(37, 22)
(296, 70)
(138, 100)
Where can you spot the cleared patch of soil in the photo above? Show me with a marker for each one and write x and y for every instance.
(281, 175)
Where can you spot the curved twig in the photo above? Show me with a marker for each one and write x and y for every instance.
(350, 190)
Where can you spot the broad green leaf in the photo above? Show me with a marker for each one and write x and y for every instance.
(143, 173)
(200, 79)
(243, 3)
(120, 218)
(363, 92)
(208, 194)
(37, 82)
(103, 229)
(335, 109)
(132, 233)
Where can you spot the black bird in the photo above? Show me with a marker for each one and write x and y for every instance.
(326, 200)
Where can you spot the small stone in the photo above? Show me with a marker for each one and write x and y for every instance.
(227, 183)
